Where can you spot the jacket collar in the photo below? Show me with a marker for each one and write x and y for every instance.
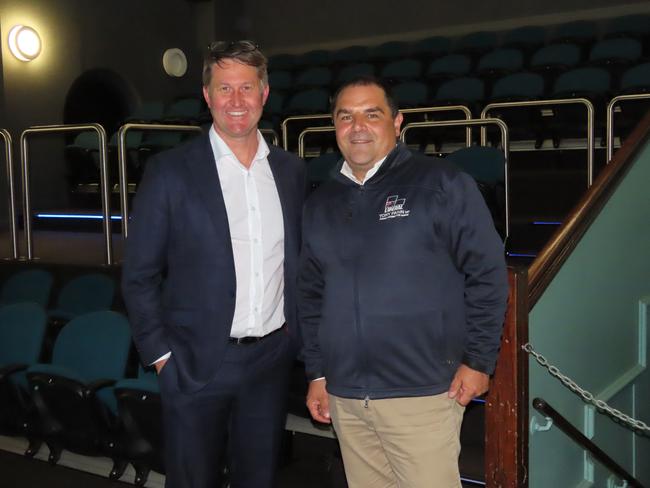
(395, 158)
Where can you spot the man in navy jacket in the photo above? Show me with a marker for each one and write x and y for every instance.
(402, 294)
(209, 282)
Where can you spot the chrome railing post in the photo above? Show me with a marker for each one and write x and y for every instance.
(505, 143)
(610, 118)
(103, 176)
(560, 101)
(121, 156)
(311, 130)
(272, 133)
(11, 188)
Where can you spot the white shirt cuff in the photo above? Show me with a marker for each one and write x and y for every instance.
(166, 356)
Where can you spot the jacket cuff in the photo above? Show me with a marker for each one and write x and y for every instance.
(479, 364)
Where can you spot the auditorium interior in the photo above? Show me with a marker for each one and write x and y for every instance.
(543, 104)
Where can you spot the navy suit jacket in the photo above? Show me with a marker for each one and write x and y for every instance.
(178, 276)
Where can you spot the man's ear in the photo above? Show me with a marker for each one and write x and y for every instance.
(398, 123)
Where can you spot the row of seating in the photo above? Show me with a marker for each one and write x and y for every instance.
(474, 90)
(529, 38)
(555, 57)
(85, 293)
(80, 400)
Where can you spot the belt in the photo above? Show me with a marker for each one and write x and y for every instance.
(242, 341)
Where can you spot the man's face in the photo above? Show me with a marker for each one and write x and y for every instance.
(235, 98)
(365, 128)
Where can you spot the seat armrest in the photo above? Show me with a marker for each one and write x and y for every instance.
(11, 369)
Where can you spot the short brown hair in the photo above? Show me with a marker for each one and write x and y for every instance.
(245, 52)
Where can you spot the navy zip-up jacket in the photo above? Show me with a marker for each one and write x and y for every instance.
(401, 280)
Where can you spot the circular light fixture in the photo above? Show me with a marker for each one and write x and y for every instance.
(174, 62)
(24, 42)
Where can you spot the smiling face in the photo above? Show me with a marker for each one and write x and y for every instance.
(235, 97)
(366, 130)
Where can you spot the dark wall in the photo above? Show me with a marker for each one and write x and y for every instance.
(125, 37)
(300, 24)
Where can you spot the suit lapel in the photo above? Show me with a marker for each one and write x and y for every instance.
(205, 179)
(282, 184)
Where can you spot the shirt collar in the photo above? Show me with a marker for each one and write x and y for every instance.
(347, 171)
(221, 149)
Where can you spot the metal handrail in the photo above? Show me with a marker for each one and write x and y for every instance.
(583, 441)
(272, 133)
(610, 118)
(121, 160)
(505, 144)
(103, 179)
(285, 131)
(310, 130)
(446, 108)
(559, 101)
(13, 234)
(422, 110)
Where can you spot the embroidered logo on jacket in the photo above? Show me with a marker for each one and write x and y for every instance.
(394, 208)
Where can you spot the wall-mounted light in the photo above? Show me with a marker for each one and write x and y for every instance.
(24, 42)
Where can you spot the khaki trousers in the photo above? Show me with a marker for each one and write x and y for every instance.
(399, 442)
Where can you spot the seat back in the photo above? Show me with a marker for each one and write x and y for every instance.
(636, 79)
(31, 285)
(280, 80)
(314, 101)
(450, 65)
(94, 345)
(319, 76)
(582, 81)
(22, 329)
(484, 164)
(410, 94)
(354, 70)
(87, 293)
(505, 59)
(564, 55)
(616, 50)
(404, 69)
(464, 90)
(518, 86)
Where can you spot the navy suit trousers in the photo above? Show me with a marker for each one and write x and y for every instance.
(238, 417)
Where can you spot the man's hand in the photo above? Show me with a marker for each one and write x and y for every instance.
(159, 365)
(318, 401)
(468, 384)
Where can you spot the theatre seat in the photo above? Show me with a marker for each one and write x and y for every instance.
(487, 166)
(90, 292)
(29, 285)
(139, 408)
(22, 329)
(74, 394)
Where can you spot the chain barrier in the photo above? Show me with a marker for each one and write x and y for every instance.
(586, 395)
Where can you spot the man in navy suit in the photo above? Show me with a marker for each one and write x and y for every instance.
(209, 282)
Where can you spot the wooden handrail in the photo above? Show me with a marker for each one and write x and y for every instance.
(565, 239)
(506, 404)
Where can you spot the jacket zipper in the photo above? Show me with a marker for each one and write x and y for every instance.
(357, 312)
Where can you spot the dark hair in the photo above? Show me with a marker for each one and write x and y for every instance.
(245, 52)
(366, 81)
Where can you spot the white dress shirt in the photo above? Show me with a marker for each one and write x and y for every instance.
(257, 235)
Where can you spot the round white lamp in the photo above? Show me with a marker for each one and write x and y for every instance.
(24, 42)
